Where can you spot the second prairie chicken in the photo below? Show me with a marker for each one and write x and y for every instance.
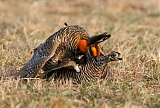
(69, 41)
(95, 68)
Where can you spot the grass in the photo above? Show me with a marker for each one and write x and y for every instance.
(135, 29)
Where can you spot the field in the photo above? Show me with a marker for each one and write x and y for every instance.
(135, 29)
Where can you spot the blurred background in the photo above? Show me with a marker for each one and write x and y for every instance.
(38, 19)
(133, 24)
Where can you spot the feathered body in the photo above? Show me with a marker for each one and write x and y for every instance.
(62, 44)
(95, 68)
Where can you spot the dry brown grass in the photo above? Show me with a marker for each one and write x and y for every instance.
(135, 29)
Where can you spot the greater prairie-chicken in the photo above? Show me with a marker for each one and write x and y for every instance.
(69, 41)
(95, 68)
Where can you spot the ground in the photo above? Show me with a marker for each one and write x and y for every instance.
(135, 29)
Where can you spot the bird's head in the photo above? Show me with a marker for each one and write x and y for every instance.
(114, 56)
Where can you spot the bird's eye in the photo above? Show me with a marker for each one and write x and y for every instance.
(113, 55)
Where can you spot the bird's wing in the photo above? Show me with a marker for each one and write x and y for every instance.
(68, 64)
(42, 54)
(65, 64)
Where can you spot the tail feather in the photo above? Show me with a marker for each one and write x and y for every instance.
(98, 38)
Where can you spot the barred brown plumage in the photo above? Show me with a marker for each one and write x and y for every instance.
(95, 68)
(63, 44)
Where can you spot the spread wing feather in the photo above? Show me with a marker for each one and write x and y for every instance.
(42, 54)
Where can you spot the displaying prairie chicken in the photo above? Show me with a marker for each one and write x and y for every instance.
(93, 69)
(68, 42)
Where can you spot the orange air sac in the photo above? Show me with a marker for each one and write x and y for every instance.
(98, 51)
(94, 51)
(83, 46)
